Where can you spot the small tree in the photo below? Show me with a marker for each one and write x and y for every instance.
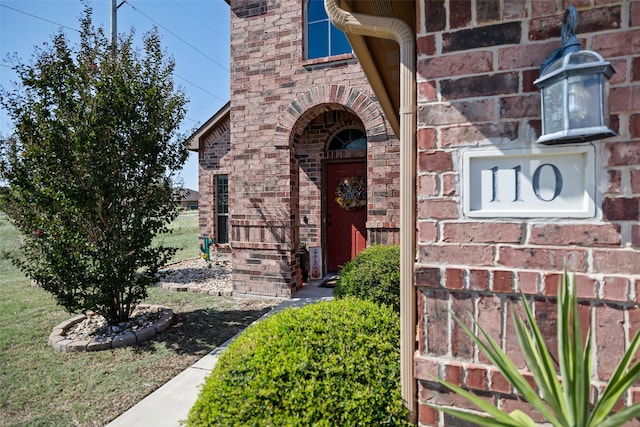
(89, 170)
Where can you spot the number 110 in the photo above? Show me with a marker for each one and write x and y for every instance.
(535, 182)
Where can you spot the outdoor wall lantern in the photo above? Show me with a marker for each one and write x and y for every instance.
(575, 90)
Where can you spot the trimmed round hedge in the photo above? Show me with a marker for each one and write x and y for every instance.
(374, 275)
(334, 363)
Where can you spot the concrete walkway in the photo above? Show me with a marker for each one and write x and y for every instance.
(170, 404)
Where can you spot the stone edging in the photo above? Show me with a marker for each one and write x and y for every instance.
(60, 342)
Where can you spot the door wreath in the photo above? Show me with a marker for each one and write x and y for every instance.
(351, 193)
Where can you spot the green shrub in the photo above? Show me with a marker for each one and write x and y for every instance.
(373, 275)
(334, 363)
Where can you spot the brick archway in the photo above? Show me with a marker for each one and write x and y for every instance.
(325, 98)
(307, 206)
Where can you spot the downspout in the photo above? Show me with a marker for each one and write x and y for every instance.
(399, 31)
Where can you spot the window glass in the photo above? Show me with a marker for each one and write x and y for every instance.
(223, 229)
(348, 139)
(322, 37)
(222, 209)
(356, 144)
(318, 40)
(339, 42)
(315, 10)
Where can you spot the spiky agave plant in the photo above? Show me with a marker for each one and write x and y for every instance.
(565, 400)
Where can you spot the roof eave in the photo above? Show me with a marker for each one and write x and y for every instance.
(194, 139)
(371, 71)
(374, 53)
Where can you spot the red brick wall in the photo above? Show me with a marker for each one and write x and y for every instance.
(214, 158)
(475, 89)
(280, 123)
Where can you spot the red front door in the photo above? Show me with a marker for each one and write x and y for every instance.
(346, 229)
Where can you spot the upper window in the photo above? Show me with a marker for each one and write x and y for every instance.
(322, 37)
(348, 139)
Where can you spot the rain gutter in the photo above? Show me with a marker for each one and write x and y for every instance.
(399, 31)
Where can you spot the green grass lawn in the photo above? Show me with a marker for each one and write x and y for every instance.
(43, 387)
(184, 236)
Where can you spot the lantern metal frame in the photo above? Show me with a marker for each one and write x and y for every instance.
(574, 86)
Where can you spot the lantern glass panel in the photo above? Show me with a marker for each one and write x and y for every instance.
(583, 101)
(555, 66)
(554, 107)
(605, 102)
(584, 57)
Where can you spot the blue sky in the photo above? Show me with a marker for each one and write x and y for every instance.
(194, 32)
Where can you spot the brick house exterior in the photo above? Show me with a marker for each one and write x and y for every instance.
(212, 141)
(271, 141)
(476, 63)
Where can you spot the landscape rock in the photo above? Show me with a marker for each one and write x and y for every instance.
(127, 338)
(91, 332)
(145, 333)
(100, 343)
(198, 275)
